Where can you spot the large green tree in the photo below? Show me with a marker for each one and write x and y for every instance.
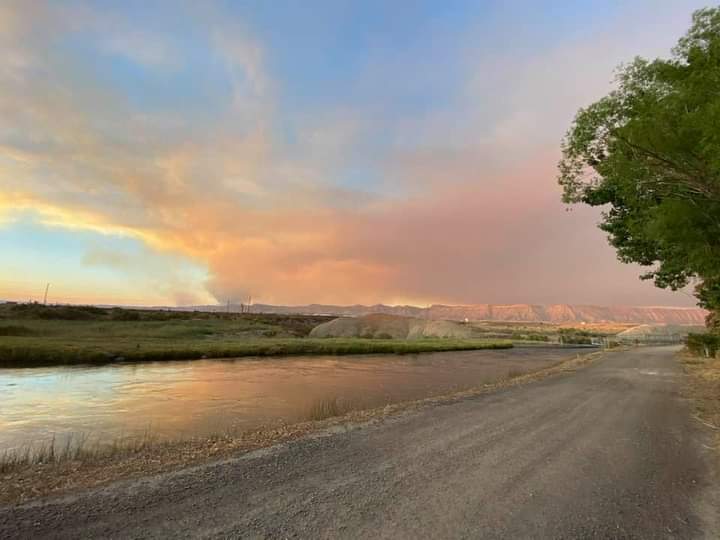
(649, 154)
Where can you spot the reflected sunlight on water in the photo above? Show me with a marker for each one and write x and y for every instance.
(188, 398)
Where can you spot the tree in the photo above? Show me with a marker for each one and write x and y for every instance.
(649, 154)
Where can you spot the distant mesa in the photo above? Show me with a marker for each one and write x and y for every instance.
(552, 313)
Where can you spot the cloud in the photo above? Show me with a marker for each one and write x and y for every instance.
(142, 48)
(461, 206)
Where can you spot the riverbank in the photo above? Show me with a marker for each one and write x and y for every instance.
(29, 352)
(36, 335)
(24, 480)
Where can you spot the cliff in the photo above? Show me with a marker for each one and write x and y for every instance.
(552, 313)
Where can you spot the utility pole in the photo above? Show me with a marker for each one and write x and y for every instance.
(47, 287)
(249, 303)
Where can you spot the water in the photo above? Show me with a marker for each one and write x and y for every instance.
(190, 398)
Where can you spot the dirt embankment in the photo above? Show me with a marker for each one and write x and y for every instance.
(381, 326)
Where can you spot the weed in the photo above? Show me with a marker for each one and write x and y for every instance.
(328, 407)
(74, 448)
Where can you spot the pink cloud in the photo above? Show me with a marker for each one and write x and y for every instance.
(465, 209)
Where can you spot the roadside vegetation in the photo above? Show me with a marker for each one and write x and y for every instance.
(707, 345)
(704, 389)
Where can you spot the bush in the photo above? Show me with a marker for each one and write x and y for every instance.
(124, 315)
(16, 330)
(70, 313)
(574, 336)
(703, 344)
(531, 336)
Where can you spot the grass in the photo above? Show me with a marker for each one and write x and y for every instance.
(704, 388)
(26, 352)
(547, 332)
(88, 321)
(37, 335)
(79, 448)
(514, 373)
(75, 448)
(82, 448)
(330, 407)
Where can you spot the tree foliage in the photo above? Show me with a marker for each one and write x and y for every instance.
(649, 154)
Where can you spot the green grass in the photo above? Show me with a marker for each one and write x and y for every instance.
(88, 320)
(36, 335)
(24, 351)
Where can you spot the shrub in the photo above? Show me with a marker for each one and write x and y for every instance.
(703, 344)
(124, 315)
(575, 336)
(71, 313)
(16, 330)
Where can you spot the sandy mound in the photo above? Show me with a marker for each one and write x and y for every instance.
(380, 326)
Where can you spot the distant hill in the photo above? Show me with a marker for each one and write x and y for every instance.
(551, 313)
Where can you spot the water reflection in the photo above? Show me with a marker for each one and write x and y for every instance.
(180, 399)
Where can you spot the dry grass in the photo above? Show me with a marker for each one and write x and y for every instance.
(329, 407)
(74, 448)
(704, 389)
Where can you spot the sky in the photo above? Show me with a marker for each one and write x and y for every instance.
(329, 151)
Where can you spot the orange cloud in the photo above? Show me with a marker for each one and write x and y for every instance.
(455, 218)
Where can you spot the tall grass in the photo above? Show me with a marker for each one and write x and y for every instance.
(514, 373)
(74, 447)
(16, 330)
(330, 407)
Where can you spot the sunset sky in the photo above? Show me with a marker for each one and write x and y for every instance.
(308, 151)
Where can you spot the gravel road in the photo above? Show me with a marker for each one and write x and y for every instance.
(610, 451)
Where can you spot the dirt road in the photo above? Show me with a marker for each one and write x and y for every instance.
(610, 451)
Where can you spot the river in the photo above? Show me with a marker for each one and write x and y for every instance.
(178, 399)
